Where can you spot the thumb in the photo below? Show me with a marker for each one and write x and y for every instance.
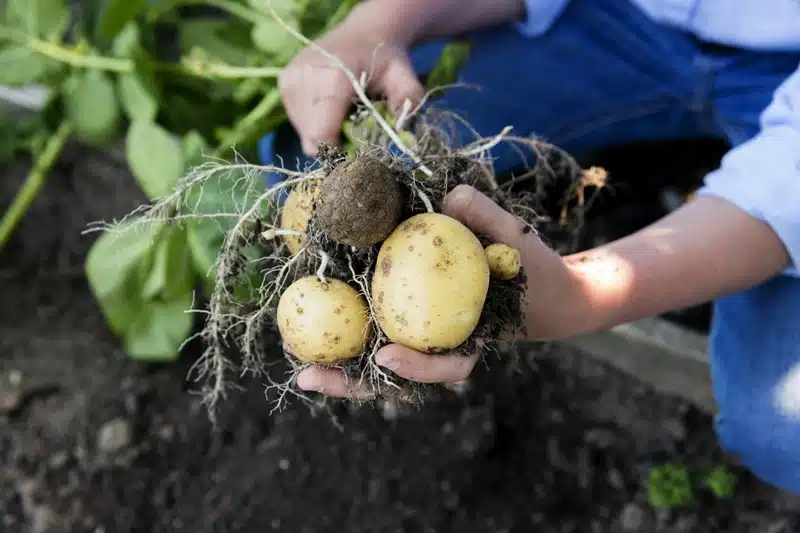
(481, 215)
(399, 83)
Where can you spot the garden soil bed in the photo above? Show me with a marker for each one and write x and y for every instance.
(92, 441)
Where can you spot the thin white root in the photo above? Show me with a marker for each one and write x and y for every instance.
(403, 118)
(425, 199)
(323, 265)
(274, 233)
(481, 148)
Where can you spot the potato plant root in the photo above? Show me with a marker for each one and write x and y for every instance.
(413, 168)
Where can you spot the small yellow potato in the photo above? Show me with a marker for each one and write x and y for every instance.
(323, 322)
(504, 261)
(297, 211)
(430, 283)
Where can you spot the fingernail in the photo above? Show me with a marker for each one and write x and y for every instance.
(308, 381)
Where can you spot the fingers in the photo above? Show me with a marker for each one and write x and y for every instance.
(480, 214)
(316, 99)
(409, 364)
(332, 382)
(317, 94)
(398, 82)
(423, 368)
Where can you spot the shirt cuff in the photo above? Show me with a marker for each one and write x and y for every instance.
(762, 177)
(539, 16)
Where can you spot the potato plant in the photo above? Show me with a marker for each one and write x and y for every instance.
(360, 254)
(173, 81)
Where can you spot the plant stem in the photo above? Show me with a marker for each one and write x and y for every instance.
(191, 68)
(238, 10)
(254, 119)
(34, 181)
(77, 59)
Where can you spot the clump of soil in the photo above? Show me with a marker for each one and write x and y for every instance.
(359, 202)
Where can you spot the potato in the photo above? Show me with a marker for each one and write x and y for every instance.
(430, 283)
(504, 261)
(323, 322)
(296, 213)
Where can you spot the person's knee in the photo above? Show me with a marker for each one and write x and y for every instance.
(766, 436)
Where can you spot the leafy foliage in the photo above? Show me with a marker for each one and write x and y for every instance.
(174, 81)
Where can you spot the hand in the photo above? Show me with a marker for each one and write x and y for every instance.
(317, 94)
(481, 215)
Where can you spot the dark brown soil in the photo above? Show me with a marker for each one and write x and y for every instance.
(92, 441)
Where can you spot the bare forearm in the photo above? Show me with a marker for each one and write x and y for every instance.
(417, 21)
(705, 250)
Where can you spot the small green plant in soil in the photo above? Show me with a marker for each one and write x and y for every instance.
(721, 482)
(669, 486)
(672, 485)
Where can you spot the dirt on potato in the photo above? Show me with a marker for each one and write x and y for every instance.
(359, 202)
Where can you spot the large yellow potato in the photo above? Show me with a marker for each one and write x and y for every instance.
(296, 213)
(323, 322)
(430, 283)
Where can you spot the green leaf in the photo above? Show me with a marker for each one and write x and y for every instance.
(116, 14)
(452, 59)
(91, 104)
(154, 158)
(282, 7)
(270, 37)
(127, 41)
(194, 148)
(160, 328)
(112, 268)
(138, 97)
(47, 19)
(669, 486)
(721, 482)
(116, 254)
(171, 275)
(220, 194)
(205, 240)
(19, 66)
(221, 40)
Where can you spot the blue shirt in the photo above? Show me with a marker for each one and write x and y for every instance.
(762, 175)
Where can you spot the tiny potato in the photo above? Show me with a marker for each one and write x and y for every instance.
(296, 213)
(504, 261)
(323, 322)
(430, 283)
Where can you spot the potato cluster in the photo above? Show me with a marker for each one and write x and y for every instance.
(430, 281)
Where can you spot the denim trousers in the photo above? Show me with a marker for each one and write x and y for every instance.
(606, 74)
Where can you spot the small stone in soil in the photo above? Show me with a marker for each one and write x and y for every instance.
(114, 436)
(633, 518)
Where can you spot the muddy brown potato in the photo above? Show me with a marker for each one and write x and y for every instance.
(430, 284)
(359, 203)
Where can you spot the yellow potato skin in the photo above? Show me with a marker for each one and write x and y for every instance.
(323, 322)
(296, 213)
(504, 261)
(430, 283)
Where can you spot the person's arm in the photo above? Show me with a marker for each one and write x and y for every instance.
(706, 249)
(410, 22)
(742, 229)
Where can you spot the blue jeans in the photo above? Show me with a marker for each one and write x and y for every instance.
(607, 74)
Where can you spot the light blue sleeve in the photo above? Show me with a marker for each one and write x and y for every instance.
(540, 15)
(762, 175)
